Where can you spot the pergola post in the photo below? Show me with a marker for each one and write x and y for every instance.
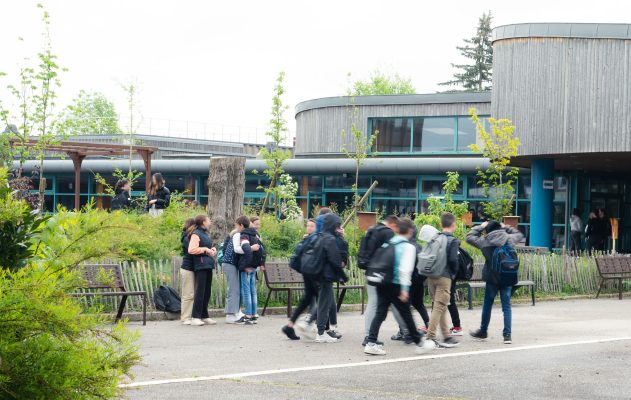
(146, 158)
(77, 160)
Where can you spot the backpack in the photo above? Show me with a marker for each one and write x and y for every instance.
(367, 246)
(294, 260)
(465, 266)
(505, 266)
(432, 260)
(380, 270)
(166, 299)
(311, 257)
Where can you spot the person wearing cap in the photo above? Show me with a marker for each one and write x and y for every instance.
(496, 234)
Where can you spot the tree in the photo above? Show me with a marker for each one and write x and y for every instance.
(381, 84)
(273, 154)
(226, 187)
(131, 90)
(499, 145)
(91, 113)
(476, 76)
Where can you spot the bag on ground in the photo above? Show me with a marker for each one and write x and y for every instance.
(432, 260)
(311, 257)
(465, 265)
(166, 299)
(380, 270)
(505, 266)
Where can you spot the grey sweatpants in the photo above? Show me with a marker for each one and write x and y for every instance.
(233, 291)
(371, 309)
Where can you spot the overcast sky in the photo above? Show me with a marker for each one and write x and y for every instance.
(216, 61)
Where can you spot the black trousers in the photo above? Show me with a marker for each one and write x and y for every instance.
(313, 310)
(452, 307)
(576, 241)
(417, 296)
(389, 295)
(311, 294)
(203, 284)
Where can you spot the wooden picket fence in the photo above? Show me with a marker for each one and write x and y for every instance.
(552, 273)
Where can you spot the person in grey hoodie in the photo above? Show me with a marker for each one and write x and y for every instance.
(497, 234)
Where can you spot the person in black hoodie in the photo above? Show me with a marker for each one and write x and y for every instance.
(201, 248)
(249, 261)
(187, 276)
(158, 196)
(122, 198)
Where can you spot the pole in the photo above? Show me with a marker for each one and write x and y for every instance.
(360, 203)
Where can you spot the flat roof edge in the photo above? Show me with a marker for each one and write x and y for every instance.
(620, 31)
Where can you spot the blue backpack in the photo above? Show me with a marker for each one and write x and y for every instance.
(505, 266)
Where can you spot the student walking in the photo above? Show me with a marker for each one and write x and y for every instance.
(122, 197)
(397, 291)
(201, 249)
(248, 262)
(443, 250)
(497, 235)
(187, 275)
(375, 237)
(231, 272)
(593, 233)
(576, 231)
(158, 197)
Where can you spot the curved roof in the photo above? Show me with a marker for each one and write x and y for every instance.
(400, 99)
(563, 30)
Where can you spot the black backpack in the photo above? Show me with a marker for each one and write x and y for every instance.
(380, 271)
(367, 246)
(465, 265)
(294, 260)
(166, 299)
(311, 257)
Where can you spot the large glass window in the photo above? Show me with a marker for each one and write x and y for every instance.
(397, 207)
(435, 187)
(434, 134)
(390, 186)
(394, 135)
(467, 133)
(346, 181)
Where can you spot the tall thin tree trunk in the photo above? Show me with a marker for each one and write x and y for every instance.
(226, 188)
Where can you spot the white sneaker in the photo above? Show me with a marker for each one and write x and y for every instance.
(429, 345)
(306, 330)
(325, 338)
(231, 318)
(186, 321)
(239, 315)
(196, 322)
(209, 321)
(374, 349)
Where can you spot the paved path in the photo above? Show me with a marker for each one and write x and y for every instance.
(577, 349)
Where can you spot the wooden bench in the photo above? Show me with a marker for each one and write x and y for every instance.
(279, 277)
(93, 273)
(476, 282)
(613, 268)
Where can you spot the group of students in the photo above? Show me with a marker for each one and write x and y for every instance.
(597, 230)
(392, 246)
(242, 255)
(158, 196)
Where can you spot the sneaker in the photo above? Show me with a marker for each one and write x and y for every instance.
(196, 322)
(507, 339)
(334, 334)
(242, 321)
(324, 338)
(456, 331)
(428, 345)
(335, 329)
(186, 321)
(209, 321)
(365, 342)
(239, 315)
(255, 319)
(306, 330)
(374, 349)
(420, 347)
(290, 332)
(307, 318)
(399, 336)
(232, 318)
(479, 335)
(448, 342)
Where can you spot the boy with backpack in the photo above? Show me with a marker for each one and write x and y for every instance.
(391, 274)
(439, 262)
(375, 237)
(250, 258)
(500, 271)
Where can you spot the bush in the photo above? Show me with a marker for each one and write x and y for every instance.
(280, 238)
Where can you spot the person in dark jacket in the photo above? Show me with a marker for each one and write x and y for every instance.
(248, 262)
(187, 275)
(593, 233)
(122, 198)
(202, 251)
(497, 234)
(158, 196)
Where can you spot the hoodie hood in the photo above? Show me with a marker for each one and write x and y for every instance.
(426, 233)
(498, 237)
(330, 223)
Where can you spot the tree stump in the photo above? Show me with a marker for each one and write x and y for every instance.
(226, 188)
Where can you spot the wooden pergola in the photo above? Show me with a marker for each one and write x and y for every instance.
(78, 151)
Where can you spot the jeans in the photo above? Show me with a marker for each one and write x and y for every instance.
(389, 295)
(371, 307)
(203, 283)
(452, 307)
(248, 291)
(440, 289)
(188, 293)
(489, 298)
(233, 291)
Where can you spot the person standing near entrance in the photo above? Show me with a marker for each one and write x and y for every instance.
(594, 232)
(576, 231)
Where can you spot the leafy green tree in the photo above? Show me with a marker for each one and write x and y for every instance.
(381, 84)
(476, 76)
(274, 155)
(91, 113)
(499, 145)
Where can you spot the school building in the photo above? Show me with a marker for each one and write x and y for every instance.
(565, 86)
